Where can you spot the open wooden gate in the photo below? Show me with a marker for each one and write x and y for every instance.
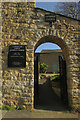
(36, 77)
(63, 80)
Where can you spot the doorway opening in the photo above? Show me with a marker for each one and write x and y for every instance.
(50, 84)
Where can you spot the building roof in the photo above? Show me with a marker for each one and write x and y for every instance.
(56, 13)
(51, 51)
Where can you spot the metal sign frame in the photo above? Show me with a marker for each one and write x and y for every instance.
(50, 17)
(17, 56)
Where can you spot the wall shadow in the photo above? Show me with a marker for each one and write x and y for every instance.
(47, 99)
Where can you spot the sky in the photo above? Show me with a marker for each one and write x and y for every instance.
(51, 6)
(57, 0)
(47, 46)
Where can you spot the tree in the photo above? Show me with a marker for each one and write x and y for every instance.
(70, 9)
(43, 68)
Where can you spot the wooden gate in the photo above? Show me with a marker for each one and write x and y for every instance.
(63, 80)
(36, 77)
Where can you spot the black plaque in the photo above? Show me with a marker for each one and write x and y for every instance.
(50, 18)
(17, 56)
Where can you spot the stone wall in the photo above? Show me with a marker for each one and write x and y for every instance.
(0, 62)
(65, 33)
(51, 59)
(17, 82)
(24, 25)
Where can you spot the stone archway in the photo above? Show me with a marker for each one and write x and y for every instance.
(56, 40)
(32, 30)
(70, 56)
(60, 42)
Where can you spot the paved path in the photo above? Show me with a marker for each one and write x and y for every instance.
(48, 99)
(38, 114)
(49, 107)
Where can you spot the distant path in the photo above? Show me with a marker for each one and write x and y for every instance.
(48, 99)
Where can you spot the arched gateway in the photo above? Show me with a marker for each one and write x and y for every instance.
(23, 24)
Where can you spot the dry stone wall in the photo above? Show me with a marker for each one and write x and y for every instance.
(17, 82)
(66, 34)
(23, 24)
(0, 61)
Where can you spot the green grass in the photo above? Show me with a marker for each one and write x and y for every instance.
(54, 77)
(7, 107)
(67, 111)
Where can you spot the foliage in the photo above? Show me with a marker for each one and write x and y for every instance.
(43, 68)
(49, 72)
(18, 108)
(68, 8)
(8, 107)
(54, 77)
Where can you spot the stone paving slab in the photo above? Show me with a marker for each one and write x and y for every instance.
(37, 114)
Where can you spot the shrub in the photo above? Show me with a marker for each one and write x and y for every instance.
(7, 107)
(55, 77)
(43, 68)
